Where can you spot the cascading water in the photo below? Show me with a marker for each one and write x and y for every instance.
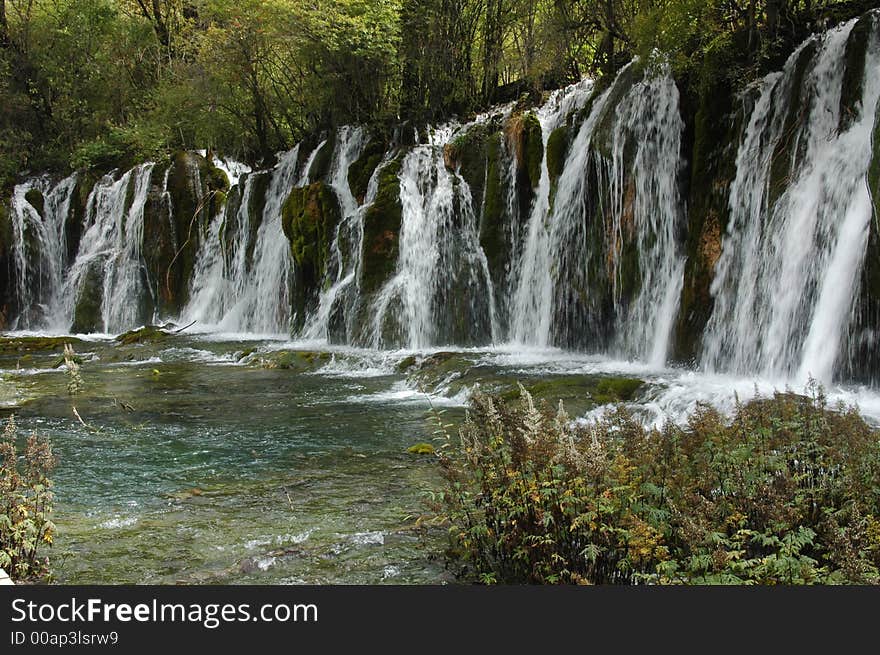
(109, 254)
(787, 276)
(345, 248)
(648, 204)
(619, 184)
(590, 257)
(243, 285)
(532, 302)
(441, 270)
(42, 252)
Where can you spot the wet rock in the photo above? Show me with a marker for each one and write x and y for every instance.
(361, 170)
(309, 218)
(146, 334)
(382, 230)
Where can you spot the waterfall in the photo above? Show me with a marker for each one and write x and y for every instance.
(786, 280)
(477, 239)
(221, 271)
(108, 272)
(649, 122)
(532, 301)
(614, 221)
(41, 254)
(441, 274)
(343, 265)
(242, 277)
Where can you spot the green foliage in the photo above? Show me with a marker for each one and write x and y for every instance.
(787, 492)
(25, 505)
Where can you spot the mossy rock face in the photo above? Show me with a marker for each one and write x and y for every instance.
(159, 244)
(714, 120)
(320, 167)
(603, 139)
(309, 218)
(382, 230)
(76, 217)
(854, 77)
(7, 283)
(217, 179)
(361, 170)
(87, 307)
(861, 355)
(525, 135)
(874, 170)
(36, 200)
(466, 154)
(146, 334)
(557, 149)
(494, 233)
(784, 157)
(188, 186)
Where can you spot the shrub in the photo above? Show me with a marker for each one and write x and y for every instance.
(25, 505)
(787, 492)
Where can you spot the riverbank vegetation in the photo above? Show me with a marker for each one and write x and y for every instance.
(785, 492)
(26, 498)
(101, 83)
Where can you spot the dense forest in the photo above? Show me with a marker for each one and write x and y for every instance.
(96, 83)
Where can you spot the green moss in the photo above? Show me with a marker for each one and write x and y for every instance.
(217, 180)
(361, 170)
(467, 155)
(309, 218)
(36, 200)
(147, 334)
(533, 148)
(405, 364)
(421, 449)
(382, 229)
(617, 389)
(557, 148)
(87, 307)
(298, 360)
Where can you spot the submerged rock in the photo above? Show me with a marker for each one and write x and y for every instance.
(146, 334)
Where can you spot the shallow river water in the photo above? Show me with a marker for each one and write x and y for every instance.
(203, 462)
